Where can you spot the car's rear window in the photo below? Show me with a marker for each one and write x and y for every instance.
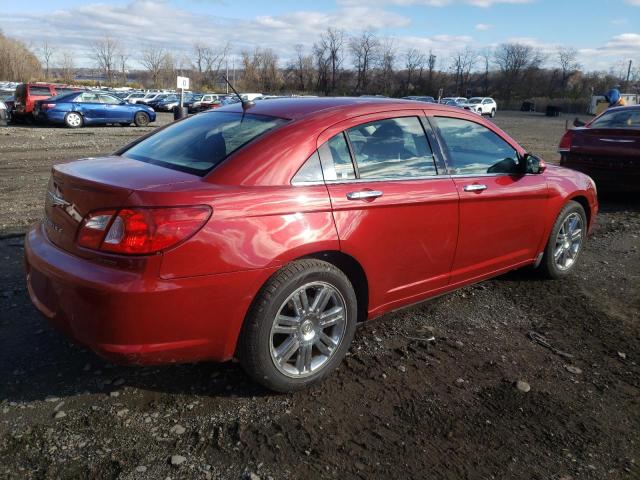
(39, 91)
(625, 118)
(198, 144)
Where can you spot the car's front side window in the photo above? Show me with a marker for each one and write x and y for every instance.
(473, 149)
(392, 148)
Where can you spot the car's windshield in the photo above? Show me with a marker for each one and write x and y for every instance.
(626, 118)
(198, 144)
(475, 100)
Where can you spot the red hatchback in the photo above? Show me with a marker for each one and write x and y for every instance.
(266, 233)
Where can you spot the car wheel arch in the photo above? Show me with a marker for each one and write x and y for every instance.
(584, 202)
(354, 272)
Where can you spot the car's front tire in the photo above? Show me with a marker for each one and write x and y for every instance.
(566, 241)
(73, 120)
(141, 119)
(493, 112)
(299, 326)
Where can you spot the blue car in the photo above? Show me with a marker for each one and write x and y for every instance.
(77, 109)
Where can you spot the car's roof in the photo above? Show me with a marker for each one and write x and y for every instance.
(294, 108)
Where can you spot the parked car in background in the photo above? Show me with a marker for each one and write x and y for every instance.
(167, 104)
(4, 113)
(151, 97)
(134, 97)
(78, 109)
(8, 101)
(206, 102)
(607, 149)
(452, 102)
(267, 233)
(421, 99)
(28, 93)
(481, 106)
(457, 100)
(159, 99)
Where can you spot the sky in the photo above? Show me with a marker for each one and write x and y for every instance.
(605, 32)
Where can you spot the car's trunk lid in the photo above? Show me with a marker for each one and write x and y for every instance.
(78, 188)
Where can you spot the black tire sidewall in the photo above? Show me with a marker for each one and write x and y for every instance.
(256, 336)
(139, 115)
(549, 263)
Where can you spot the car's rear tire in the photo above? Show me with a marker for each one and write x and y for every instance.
(566, 241)
(141, 119)
(73, 120)
(299, 326)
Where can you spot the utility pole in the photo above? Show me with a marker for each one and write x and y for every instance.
(227, 75)
(629, 72)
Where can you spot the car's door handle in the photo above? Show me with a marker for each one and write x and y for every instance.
(364, 195)
(475, 187)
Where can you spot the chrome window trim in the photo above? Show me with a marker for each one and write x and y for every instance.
(408, 179)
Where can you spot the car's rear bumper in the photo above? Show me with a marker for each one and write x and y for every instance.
(138, 317)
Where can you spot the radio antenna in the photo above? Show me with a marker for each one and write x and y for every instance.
(245, 103)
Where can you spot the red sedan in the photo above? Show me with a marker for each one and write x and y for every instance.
(607, 149)
(266, 233)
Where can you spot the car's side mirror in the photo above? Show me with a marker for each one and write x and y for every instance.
(534, 164)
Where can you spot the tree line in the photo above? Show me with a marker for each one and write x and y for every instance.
(336, 64)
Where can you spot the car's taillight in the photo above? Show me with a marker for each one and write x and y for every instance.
(47, 106)
(566, 141)
(141, 230)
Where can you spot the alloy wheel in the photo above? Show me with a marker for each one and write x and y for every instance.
(74, 120)
(568, 242)
(308, 329)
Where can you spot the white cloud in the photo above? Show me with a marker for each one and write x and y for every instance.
(483, 27)
(435, 3)
(635, 3)
(146, 22)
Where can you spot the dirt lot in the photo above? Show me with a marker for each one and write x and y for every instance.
(399, 407)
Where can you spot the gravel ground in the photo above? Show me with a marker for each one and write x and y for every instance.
(484, 401)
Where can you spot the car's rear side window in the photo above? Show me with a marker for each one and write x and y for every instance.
(473, 149)
(392, 148)
(336, 159)
(199, 143)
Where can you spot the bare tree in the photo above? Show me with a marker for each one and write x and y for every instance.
(364, 50)
(153, 59)
(568, 65)
(414, 62)
(123, 58)
(104, 54)
(302, 67)
(462, 63)
(208, 62)
(431, 67)
(513, 60)
(322, 63)
(332, 42)
(269, 72)
(46, 52)
(67, 67)
(17, 62)
(387, 60)
(251, 69)
(486, 56)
